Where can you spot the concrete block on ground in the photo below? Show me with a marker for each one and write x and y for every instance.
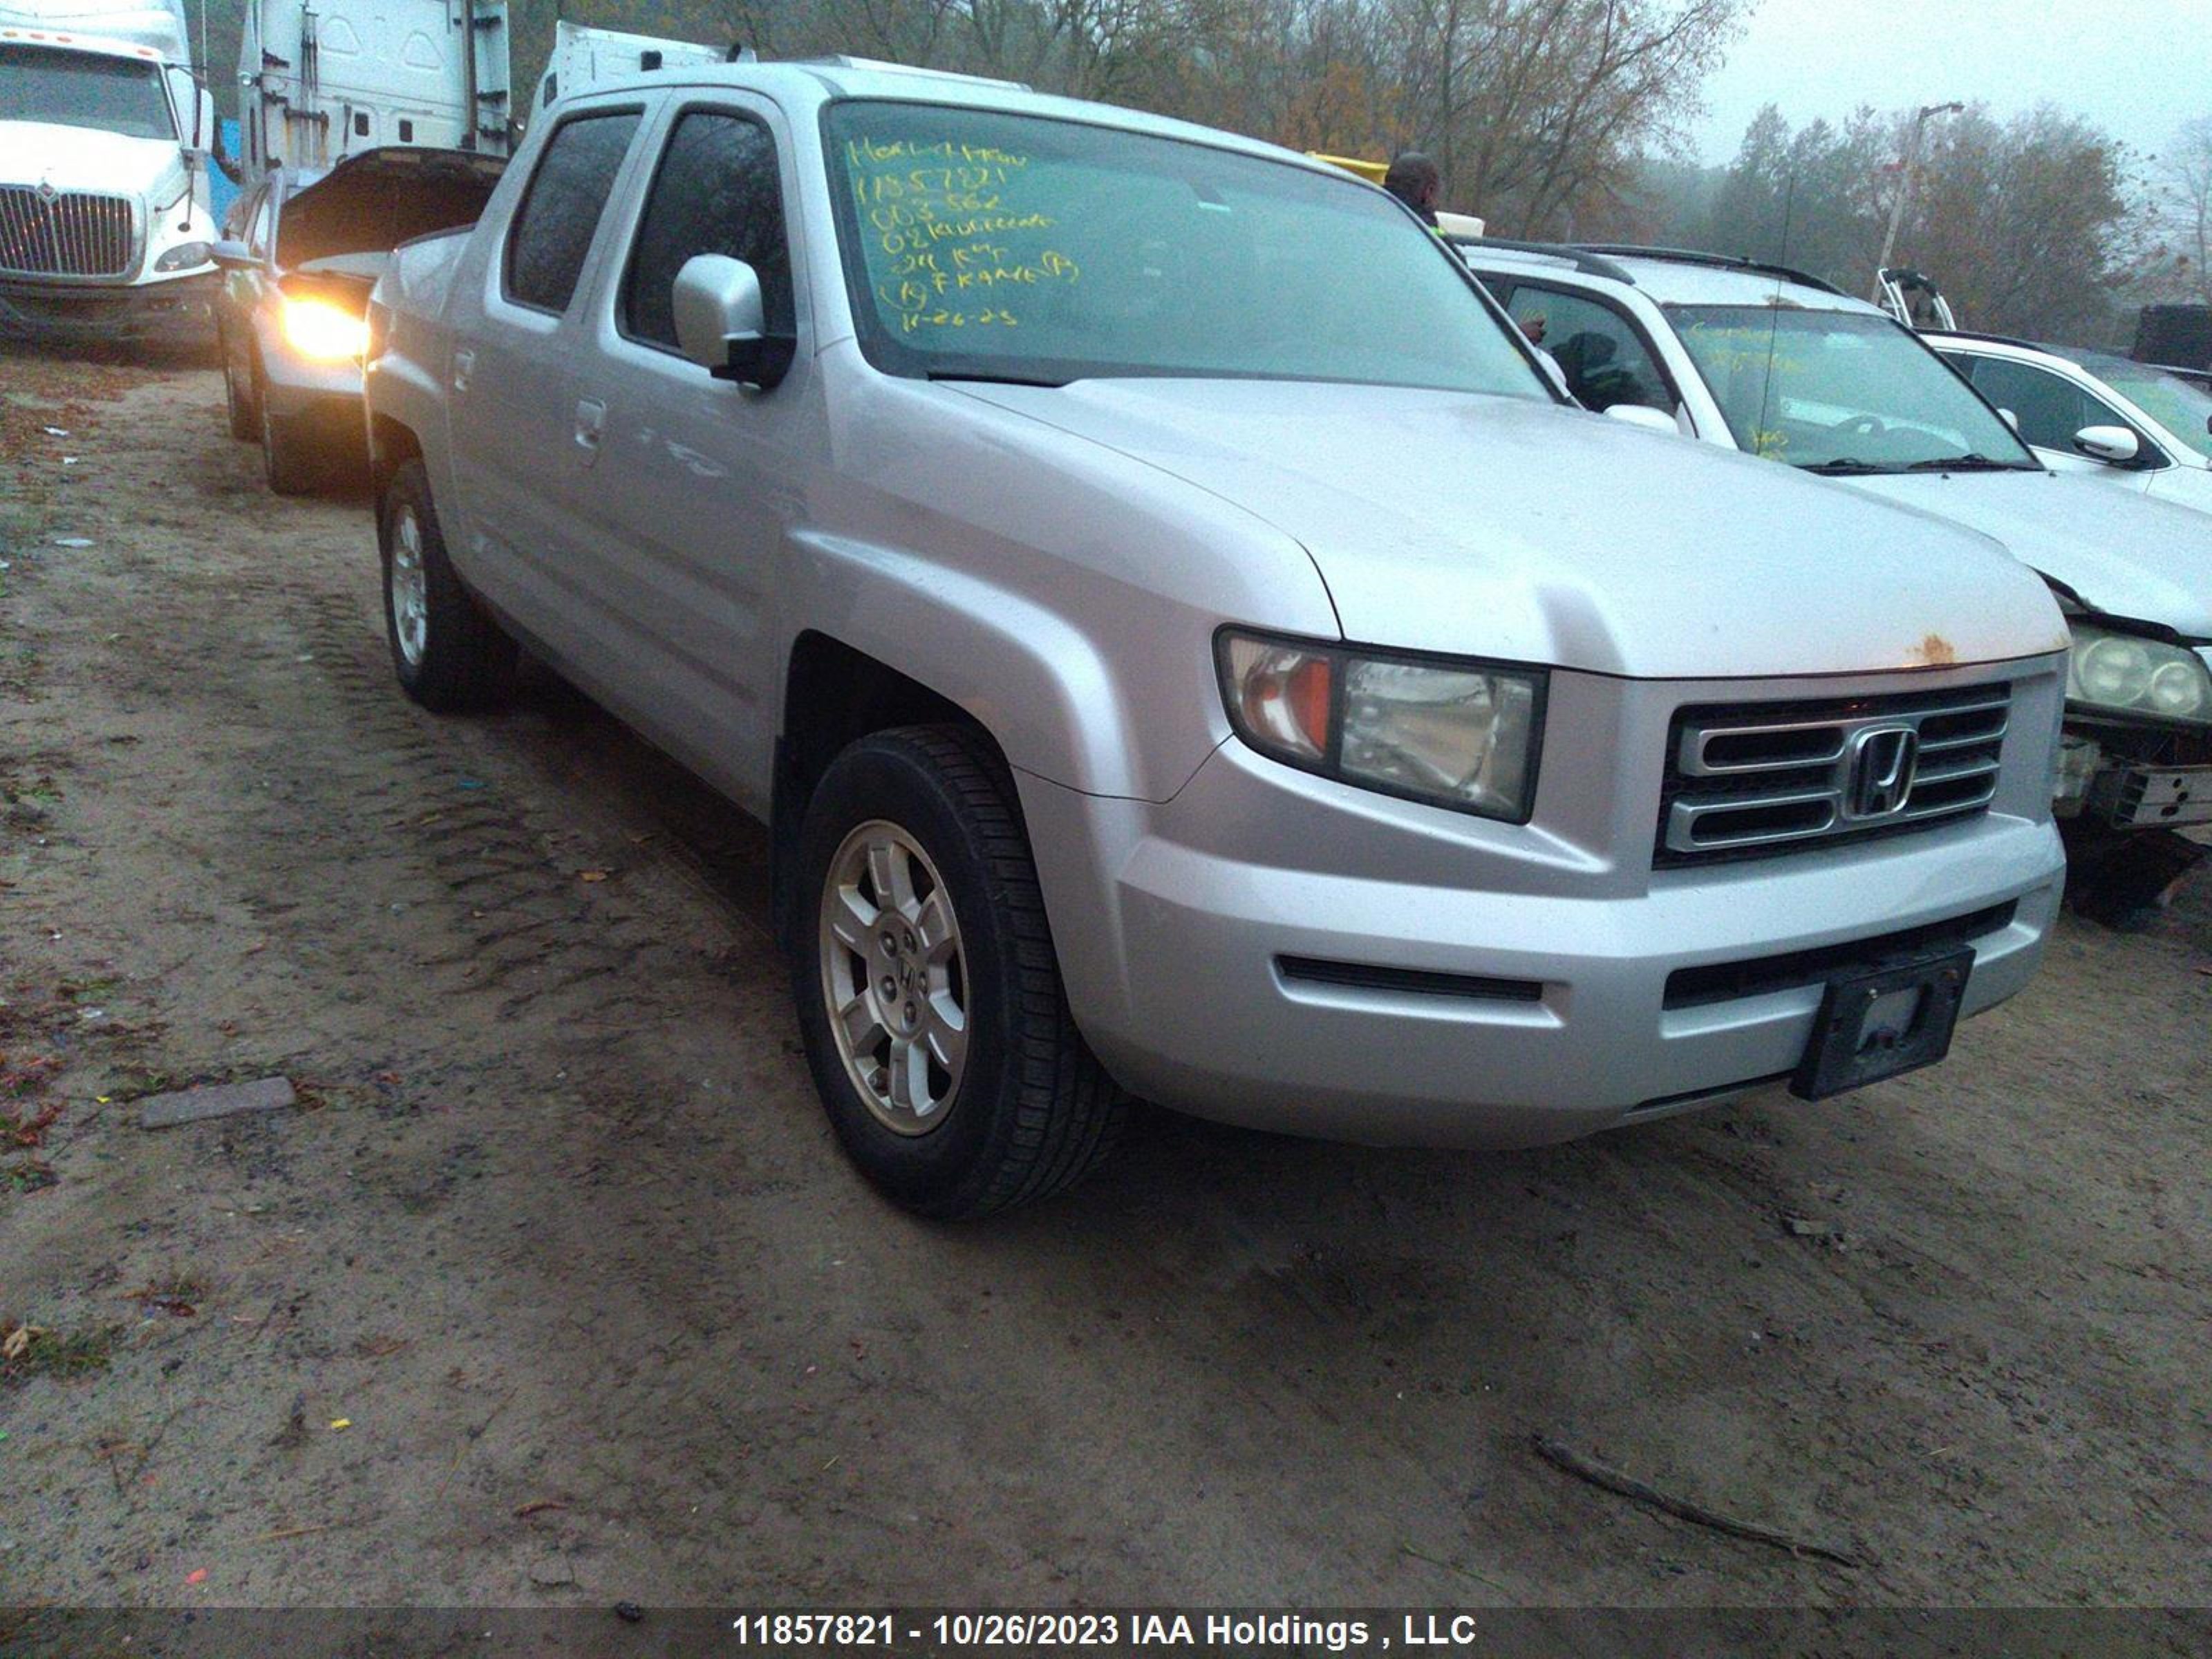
(268, 1094)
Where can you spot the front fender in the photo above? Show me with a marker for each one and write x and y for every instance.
(1060, 704)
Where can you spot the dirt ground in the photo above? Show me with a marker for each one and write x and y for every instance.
(555, 1292)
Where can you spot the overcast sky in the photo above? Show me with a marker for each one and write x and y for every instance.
(2136, 67)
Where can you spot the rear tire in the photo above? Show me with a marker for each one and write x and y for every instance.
(448, 651)
(929, 996)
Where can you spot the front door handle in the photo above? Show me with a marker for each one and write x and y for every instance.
(465, 363)
(590, 420)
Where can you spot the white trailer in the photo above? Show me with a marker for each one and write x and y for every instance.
(103, 133)
(320, 79)
(583, 58)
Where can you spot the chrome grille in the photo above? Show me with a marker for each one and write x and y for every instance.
(68, 233)
(1744, 780)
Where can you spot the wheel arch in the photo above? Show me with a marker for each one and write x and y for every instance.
(834, 695)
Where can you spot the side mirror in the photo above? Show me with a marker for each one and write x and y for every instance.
(2011, 420)
(234, 255)
(2116, 444)
(1644, 416)
(721, 322)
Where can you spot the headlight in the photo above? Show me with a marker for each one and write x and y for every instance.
(184, 255)
(2140, 676)
(316, 328)
(1459, 734)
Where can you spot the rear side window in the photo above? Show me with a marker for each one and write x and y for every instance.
(553, 228)
(717, 191)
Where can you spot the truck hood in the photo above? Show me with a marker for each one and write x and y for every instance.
(371, 202)
(2116, 552)
(1497, 527)
(85, 158)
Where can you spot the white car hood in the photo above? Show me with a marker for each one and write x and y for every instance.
(2183, 484)
(1499, 527)
(85, 158)
(2117, 552)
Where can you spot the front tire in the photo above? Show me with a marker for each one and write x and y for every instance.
(448, 651)
(245, 415)
(929, 996)
(293, 460)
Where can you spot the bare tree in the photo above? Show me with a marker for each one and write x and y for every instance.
(2187, 166)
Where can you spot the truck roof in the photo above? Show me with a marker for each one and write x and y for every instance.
(155, 30)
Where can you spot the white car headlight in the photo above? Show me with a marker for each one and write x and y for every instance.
(2137, 675)
(1443, 729)
(318, 328)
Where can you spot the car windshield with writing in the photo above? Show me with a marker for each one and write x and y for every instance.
(1841, 391)
(986, 245)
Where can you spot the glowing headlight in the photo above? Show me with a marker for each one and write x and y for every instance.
(1459, 734)
(2141, 675)
(318, 328)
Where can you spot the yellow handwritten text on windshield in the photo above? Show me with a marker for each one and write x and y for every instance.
(952, 242)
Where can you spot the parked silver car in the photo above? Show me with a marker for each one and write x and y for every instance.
(301, 249)
(1169, 667)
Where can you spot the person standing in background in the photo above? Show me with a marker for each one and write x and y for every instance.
(1413, 179)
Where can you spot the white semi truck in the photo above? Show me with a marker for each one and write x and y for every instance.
(583, 58)
(103, 133)
(321, 80)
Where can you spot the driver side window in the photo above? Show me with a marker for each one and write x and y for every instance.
(717, 191)
(1596, 348)
(2050, 410)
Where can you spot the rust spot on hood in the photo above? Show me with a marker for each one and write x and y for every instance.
(1934, 652)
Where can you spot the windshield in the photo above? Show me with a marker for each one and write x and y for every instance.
(1839, 391)
(2175, 405)
(84, 89)
(1024, 247)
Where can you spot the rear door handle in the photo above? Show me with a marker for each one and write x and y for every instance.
(590, 420)
(465, 363)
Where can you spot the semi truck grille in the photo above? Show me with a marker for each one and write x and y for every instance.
(68, 233)
(1749, 780)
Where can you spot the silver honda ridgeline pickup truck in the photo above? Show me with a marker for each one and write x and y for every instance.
(1181, 645)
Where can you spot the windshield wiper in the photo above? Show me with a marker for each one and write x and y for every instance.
(1843, 467)
(1969, 462)
(991, 377)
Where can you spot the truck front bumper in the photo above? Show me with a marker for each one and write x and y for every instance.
(175, 311)
(1279, 950)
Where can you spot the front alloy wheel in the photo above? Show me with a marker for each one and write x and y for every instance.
(929, 996)
(894, 977)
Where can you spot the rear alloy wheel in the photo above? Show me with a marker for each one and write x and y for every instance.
(448, 654)
(929, 993)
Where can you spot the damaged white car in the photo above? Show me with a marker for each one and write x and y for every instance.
(1774, 363)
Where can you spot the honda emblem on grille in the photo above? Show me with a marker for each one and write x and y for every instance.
(1883, 761)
